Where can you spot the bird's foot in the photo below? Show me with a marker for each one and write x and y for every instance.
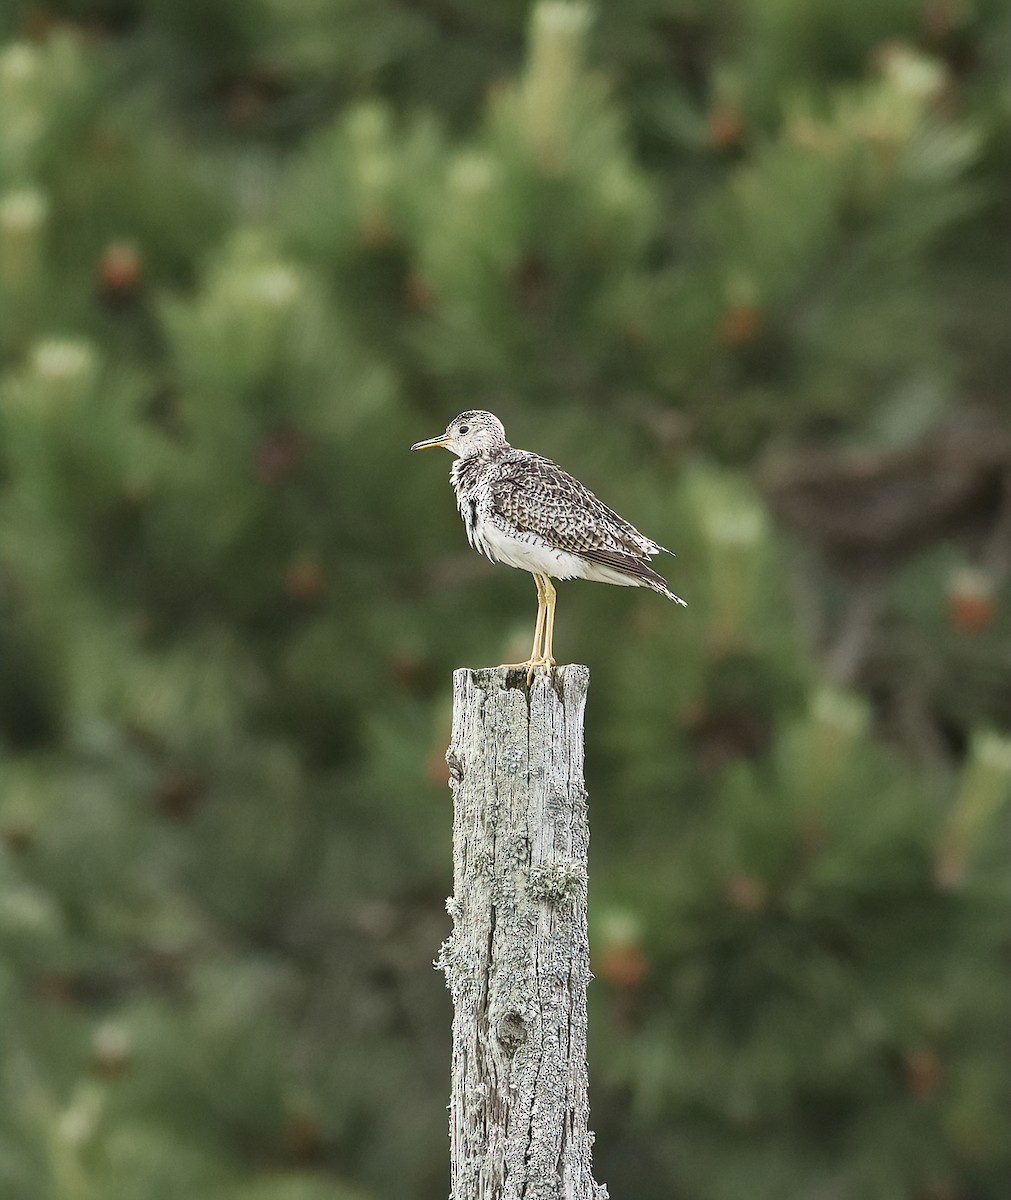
(546, 663)
(542, 660)
(530, 666)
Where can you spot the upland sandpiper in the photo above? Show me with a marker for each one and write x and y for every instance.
(523, 510)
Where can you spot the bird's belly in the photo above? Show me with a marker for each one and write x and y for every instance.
(527, 553)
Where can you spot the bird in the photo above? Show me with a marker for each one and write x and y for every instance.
(525, 511)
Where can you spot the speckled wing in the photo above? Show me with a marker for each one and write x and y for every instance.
(534, 495)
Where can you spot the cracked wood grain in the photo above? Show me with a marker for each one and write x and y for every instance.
(517, 962)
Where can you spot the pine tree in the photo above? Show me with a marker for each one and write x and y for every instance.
(733, 265)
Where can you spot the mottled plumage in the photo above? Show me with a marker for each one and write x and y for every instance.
(523, 510)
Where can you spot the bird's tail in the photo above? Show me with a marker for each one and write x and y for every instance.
(636, 572)
(660, 585)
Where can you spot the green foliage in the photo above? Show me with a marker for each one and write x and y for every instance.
(249, 253)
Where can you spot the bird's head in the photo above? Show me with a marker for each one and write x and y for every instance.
(474, 432)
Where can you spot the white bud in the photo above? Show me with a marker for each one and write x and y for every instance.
(375, 171)
(367, 125)
(472, 174)
(739, 527)
(840, 711)
(79, 1120)
(559, 17)
(276, 286)
(19, 64)
(28, 910)
(993, 751)
(620, 927)
(913, 74)
(23, 211)
(112, 1041)
(64, 360)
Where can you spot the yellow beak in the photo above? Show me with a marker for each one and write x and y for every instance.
(436, 441)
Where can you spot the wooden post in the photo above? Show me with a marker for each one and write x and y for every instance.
(517, 962)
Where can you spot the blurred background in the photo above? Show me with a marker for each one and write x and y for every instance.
(743, 268)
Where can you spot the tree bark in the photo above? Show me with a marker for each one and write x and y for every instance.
(517, 962)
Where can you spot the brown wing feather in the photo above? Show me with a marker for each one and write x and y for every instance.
(534, 494)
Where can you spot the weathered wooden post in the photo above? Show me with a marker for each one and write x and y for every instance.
(517, 962)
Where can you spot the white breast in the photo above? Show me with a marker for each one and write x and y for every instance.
(526, 552)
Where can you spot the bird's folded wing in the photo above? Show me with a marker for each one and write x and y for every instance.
(535, 495)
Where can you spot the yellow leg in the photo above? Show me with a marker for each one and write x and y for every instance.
(536, 658)
(537, 653)
(542, 610)
(550, 596)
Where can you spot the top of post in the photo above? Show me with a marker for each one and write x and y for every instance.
(568, 682)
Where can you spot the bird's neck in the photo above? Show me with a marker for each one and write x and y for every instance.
(464, 471)
(477, 457)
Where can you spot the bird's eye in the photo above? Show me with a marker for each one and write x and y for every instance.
(464, 429)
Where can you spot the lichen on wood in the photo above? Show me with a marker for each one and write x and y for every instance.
(517, 962)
